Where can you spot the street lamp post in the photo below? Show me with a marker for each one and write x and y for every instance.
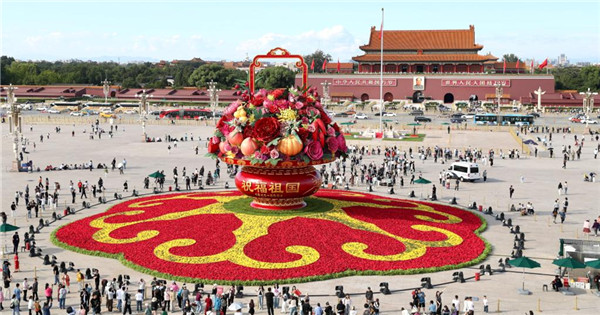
(105, 89)
(144, 111)
(14, 123)
(214, 97)
(499, 93)
(588, 104)
(326, 99)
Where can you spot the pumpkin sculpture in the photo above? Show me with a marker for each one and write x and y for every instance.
(290, 145)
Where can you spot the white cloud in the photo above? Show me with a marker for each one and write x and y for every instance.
(335, 40)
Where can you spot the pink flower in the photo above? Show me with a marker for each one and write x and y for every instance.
(283, 104)
(342, 143)
(232, 108)
(299, 105)
(274, 154)
(314, 150)
(330, 131)
(311, 128)
(305, 120)
(215, 140)
(332, 144)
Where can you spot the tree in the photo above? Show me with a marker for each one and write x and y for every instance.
(511, 58)
(225, 78)
(319, 57)
(275, 77)
(5, 62)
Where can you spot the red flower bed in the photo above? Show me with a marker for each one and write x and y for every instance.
(194, 236)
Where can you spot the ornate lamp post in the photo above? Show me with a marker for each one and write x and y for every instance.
(14, 123)
(143, 111)
(326, 99)
(105, 89)
(499, 93)
(588, 104)
(213, 93)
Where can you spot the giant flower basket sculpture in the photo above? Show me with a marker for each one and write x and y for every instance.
(277, 136)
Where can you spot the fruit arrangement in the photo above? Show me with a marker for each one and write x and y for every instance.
(269, 127)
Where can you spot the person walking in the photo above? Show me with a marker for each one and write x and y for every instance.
(587, 228)
(269, 299)
(511, 191)
(563, 215)
(560, 188)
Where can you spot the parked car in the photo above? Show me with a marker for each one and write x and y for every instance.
(388, 114)
(575, 119)
(76, 114)
(588, 121)
(422, 119)
(361, 116)
(468, 116)
(536, 115)
(53, 111)
(331, 113)
(416, 112)
(42, 109)
(457, 120)
(107, 115)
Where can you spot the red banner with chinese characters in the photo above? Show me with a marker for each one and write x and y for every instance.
(475, 83)
(364, 82)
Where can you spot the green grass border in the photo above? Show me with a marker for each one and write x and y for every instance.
(347, 273)
(420, 138)
(313, 205)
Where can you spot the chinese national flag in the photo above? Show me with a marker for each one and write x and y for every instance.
(338, 65)
(543, 64)
(518, 62)
(324, 64)
(531, 67)
(312, 65)
(504, 67)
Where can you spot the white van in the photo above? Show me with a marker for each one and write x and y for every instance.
(464, 171)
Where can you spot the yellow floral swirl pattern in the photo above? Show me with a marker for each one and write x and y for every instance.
(253, 227)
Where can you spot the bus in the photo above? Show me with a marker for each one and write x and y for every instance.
(503, 119)
(186, 114)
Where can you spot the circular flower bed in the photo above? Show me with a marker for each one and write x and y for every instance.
(218, 237)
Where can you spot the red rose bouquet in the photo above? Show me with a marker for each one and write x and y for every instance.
(278, 125)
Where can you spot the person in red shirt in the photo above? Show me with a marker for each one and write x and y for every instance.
(209, 305)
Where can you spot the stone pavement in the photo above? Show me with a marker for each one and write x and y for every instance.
(541, 179)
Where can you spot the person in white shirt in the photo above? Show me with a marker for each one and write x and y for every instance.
(139, 298)
(120, 298)
(142, 287)
(485, 304)
(456, 302)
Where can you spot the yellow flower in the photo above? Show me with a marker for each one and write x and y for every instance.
(287, 115)
(251, 119)
(240, 112)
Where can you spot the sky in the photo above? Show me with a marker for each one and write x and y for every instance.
(151, 30)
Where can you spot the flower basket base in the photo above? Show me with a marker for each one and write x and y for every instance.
(278, 204)
(280, 187)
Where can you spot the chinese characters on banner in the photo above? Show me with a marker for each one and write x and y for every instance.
(272, 188)
(475, 83)
(364, 82)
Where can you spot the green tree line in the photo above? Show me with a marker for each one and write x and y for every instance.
(150, 75)
(135, 75)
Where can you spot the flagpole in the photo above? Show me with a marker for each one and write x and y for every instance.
(381, 80)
